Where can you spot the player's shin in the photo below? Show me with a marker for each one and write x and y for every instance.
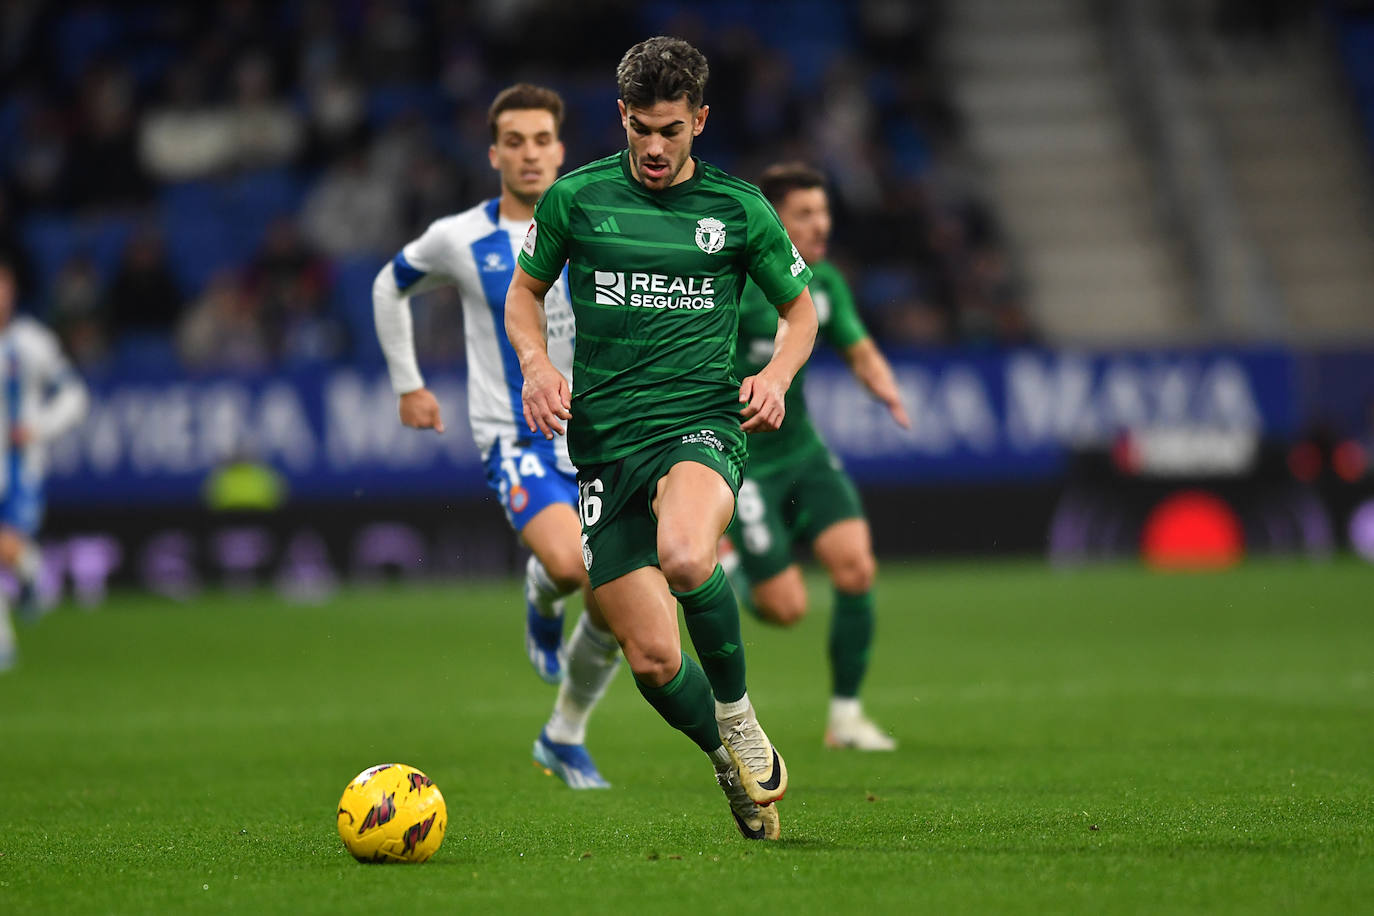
(713, 623)
(593, 659)
(8, 652)
(851, 638)
(541, 591)
(685, 704)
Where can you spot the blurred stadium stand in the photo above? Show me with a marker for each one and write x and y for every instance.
(1067, 218)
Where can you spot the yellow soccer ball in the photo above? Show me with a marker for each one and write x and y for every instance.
(392, 813)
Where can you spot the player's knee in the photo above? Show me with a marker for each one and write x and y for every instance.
(10, 547)
(565, 570)
(784, 609)
(654, 662)
(855, 573)
(684, 565)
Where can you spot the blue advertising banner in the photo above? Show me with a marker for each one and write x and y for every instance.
(335, 435)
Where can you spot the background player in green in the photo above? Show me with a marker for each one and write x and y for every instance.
(795, 490)
(658, 245)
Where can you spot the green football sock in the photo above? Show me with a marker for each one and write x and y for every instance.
(851, 637)
(739, 582)
(713, 623)
(685, 703)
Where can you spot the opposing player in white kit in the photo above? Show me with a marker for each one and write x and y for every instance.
(537, 484)
(41, 397)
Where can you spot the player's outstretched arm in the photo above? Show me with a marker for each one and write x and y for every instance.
(763, 395)
(871, 368)
(546, 394)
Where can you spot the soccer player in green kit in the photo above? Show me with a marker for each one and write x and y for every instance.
(795, 490)
(658, 245)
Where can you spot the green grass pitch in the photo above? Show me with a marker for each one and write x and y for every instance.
(1100, 740)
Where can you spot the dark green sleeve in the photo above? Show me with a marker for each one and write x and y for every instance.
(545, 249)
(774, 263)
(840, 323)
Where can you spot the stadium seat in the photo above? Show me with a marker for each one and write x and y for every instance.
(53, 239)
(386, 103)
(198, 243)
(353, 278)
(83, 35)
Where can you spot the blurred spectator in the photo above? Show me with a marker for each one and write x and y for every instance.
(267, 130)
(353, 210)
(12, 250)
(375, 115)
(144, 298)
(190, 137)
(19, 21)
(337, 116)
(291, 285)
(185, 137)
(76, 310)
(39, 160)
(223, 330)
(104, 170)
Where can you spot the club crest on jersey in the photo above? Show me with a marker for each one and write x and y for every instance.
(710, 235)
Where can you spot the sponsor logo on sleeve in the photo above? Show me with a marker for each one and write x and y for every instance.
(528, 246)
(799, 264)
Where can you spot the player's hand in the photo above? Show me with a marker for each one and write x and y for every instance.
(20, 436)
(763, 399)
(897, 409)
(420, 410)
(547, 400)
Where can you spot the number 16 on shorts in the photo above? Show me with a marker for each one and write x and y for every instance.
(589, 501)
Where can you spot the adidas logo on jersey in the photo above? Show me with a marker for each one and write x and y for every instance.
(608, 225)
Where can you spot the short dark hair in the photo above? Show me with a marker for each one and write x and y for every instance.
(662, 69)
(525, 97)
(777, 181)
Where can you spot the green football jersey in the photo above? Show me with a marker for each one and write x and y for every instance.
(655, 279)
(840, 326)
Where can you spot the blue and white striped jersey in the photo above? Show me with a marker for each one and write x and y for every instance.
(474, 250)
(41, 394)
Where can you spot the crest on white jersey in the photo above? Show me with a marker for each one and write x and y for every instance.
(528, 246)
(710, 235)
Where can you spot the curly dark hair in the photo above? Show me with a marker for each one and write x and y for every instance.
(662, 69)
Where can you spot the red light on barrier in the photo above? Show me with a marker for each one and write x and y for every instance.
(1305, 461)
(1349, 461)
(1192, 530)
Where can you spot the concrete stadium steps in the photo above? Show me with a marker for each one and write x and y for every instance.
(1304, 182)
(1069, 180)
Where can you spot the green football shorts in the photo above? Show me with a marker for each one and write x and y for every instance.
(775, 513)
(619, 528)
